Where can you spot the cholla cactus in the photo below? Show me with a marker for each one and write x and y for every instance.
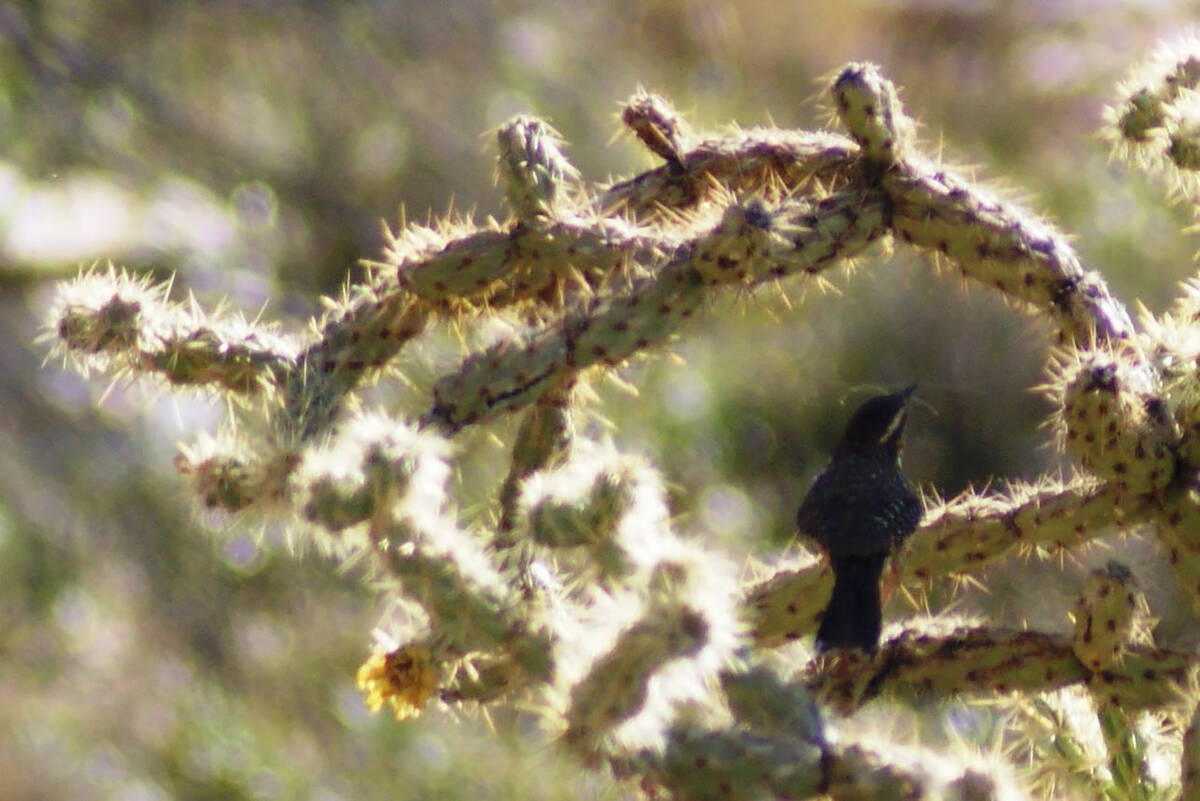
(638, 645)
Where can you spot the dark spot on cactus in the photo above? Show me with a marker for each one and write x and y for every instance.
(701, 762)
(642, 342)
(1175, 518)
(757, 215)
(791, 608)
(792, 635)
(481, 282)
(686, 313)
(466, 262)
(1149, 674)
(943, 246)
(439, 286)
(778, 272)
(1139, 451)
(1062, 293)
(1156, 408)
(1089, 437)
(726, 263)
(869, 110)
(906, 236)
(1119, 468)
(1173, 556)
(1111, 625)
(664, 308)
(621, 325)
(356, 364)
(1027, 279)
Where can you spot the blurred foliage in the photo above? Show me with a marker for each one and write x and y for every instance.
(251, 149)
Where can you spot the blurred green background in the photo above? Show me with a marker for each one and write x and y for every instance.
(251, 149)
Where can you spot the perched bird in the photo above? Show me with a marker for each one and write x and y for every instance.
(860, 508)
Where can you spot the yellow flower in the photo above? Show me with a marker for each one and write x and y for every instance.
(405, 678)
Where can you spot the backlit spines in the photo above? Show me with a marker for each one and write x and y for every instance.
(358, 338)
(109, 320)
(571, 593)
(728, 765)
(788, 606)
(970, 660)
(533, 168)
(1117, 431)
(869, 108)
(1178, 527)
(1005, 247)
(753, 243)
(1154, 122)
(1110, 615)
(615, 687)
(544, 436)
(656, 124)
(756, 161)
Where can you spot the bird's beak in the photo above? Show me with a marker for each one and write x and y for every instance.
(907, 392)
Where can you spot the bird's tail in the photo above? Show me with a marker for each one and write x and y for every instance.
(854, 616)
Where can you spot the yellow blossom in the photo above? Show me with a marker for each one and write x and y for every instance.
(405, 678)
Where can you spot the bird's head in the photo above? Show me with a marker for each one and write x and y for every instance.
(877, 425)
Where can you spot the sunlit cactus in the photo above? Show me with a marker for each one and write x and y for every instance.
(574, 594)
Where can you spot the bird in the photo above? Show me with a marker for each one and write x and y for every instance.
(859, 509)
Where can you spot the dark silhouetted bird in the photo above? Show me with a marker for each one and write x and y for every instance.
(860, 508)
